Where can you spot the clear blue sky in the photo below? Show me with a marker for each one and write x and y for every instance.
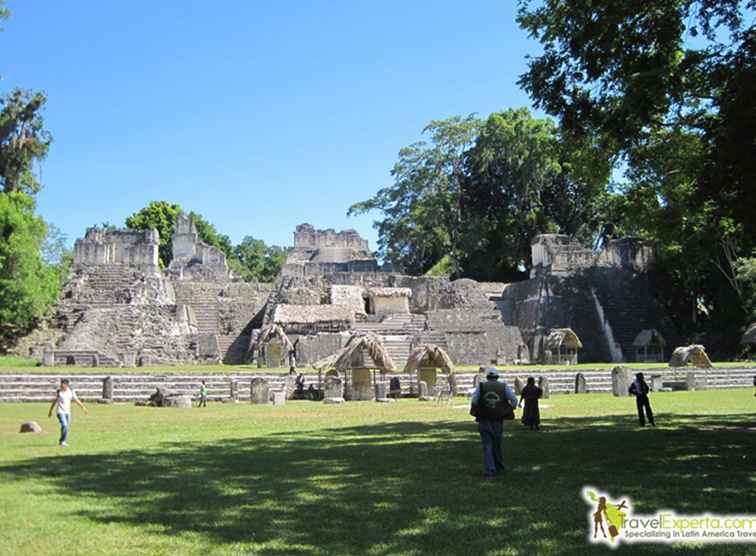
(259, 115)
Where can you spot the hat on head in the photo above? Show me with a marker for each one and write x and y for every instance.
(492, 373)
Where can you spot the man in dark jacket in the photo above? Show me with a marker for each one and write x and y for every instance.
(640, 389)
(492, 402)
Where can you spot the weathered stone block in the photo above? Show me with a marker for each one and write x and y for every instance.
(380, 390)
(423, 388)
(30, 426)
(581, 387)
(543, 383)
(621, 381)
(48, 357)
(107, 388)
(278, 397)
(259, 391)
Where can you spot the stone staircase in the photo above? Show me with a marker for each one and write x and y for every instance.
(106, 285)
(397, 332)
(133, 387)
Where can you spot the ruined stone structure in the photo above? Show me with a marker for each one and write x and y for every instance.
(605, 296)
(325, 251)
(119, 309)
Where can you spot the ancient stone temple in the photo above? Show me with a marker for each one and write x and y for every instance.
(118, 308)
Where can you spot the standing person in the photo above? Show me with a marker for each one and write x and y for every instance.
(640, 390)
(492, 402)
(531, 417)
(63, 397)
(203, 395)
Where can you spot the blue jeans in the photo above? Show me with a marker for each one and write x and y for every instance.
(65, 425)
(490, 434)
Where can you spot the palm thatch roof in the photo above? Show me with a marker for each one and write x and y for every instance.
(750, 335)
(429, 355)
(559, 337)
(311, 314)
(364, 352)
(274, 331)
(328, 362)
(648, 337)
(389, 292)
(690, 355)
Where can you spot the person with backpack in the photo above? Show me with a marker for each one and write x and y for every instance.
(639, 388)
(492, 402)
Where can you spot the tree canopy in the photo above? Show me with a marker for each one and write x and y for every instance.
(421, 210)
(667, 89)
(470, 200)
(252, 259)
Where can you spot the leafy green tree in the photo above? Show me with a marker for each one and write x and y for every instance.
(259, 261)
(745, 273)
(524, 179)
(421, 213)
(28, 286)
(23, 140)
(667, 87)
(160, 216)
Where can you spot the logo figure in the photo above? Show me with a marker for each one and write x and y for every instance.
(491, 399)
(606, 511)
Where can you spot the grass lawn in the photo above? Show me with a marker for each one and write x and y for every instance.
(10, 364)
(364, 478)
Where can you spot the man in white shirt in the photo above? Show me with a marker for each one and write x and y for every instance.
(63, 398)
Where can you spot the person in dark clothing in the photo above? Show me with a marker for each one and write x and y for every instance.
(640, 390)
(531, 417)
(491, 403)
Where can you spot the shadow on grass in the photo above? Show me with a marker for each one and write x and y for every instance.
(414, 487)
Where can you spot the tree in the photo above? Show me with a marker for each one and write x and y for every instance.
(524, 179)
(28, 286)
(160, 216)
(23, 140)
(259, 261)
(422, 221)
(667, 87)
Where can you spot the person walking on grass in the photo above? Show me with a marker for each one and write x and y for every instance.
(62, 403)
(640, 390)
(203, 395)
(492, 402)
(531, 417)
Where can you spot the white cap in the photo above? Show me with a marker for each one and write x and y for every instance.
(491, 372)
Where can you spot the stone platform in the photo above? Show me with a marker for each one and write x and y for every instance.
(135, 387)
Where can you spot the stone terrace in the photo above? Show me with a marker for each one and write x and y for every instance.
(133, 387)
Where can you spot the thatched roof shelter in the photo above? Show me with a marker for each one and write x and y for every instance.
(562, 337)
(287, 314)
(389, 292)
(429, 356)
(274, 331)
(690, 355)
(648, 337)
(750, 335)
(364, 352)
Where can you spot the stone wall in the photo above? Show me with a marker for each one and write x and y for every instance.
(561, 255)
(307, 236)
(192, 258)
(103, 246)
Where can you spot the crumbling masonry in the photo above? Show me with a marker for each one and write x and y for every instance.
(118, 308)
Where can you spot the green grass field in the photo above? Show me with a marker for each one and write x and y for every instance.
(12, 364)
(364, 478)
